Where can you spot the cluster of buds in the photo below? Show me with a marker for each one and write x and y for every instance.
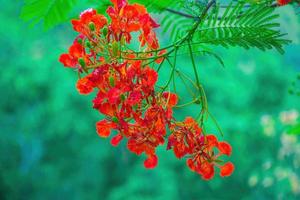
(125, 84)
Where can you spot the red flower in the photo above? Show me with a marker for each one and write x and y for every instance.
(134, 69)
(106, 108)
(125, 19)
(114, 95)
(134, 146)
(84, 85)
(148, 36)
(67, 60)
(203, 158)
(150, 77)
(187, 139)
(87, 19)
(170, 98)
(118, 4)
(179, 146)
(184, 137)
(131, 18)
(104, 128)
(134, 97)
(145, 141)
(76, 51)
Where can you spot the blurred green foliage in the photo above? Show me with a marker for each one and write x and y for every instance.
(49, 148)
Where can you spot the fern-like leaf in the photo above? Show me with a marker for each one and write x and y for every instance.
(175, 26)
(244, 26)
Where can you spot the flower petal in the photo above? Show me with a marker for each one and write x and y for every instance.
(151, 162)
(225, 148)
(116, 140)
(227, 169)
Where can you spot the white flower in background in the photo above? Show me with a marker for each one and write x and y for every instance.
(288, 145)
(268, 181)
(268, 124)
(289, 117)
(253, 180)
(267, 165)
(295, 183)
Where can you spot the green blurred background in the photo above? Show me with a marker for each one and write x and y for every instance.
(49, 148)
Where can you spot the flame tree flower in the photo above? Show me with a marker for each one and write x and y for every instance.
(136, 109)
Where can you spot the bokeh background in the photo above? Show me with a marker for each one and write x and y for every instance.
(49, 148)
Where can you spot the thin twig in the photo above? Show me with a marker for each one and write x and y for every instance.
(274, 5)
(181, 13)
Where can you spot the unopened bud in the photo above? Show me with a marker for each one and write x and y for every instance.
(81, 62)
(197, 101)
(135, 107)
(115, 48)
(79, 40)
(88, 44)
(92, 26)
(105, 31)
(123, 41)
(114, 119)
(112, 81)
(123, 97)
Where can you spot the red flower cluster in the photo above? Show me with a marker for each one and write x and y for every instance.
(127, 98)
(125, 87)
(187, 139)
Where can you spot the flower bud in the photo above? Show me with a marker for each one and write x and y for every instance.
(115, 119)
(123, 97)
(135, 107)
(115, 48)
(92, 26)
(79, 40)
(105, 31)
(81, 62)
(197, 101)
(112, 81)
(123, 41)
(88, 44)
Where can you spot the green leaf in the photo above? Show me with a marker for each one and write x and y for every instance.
(49, 12)
(244, 26)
